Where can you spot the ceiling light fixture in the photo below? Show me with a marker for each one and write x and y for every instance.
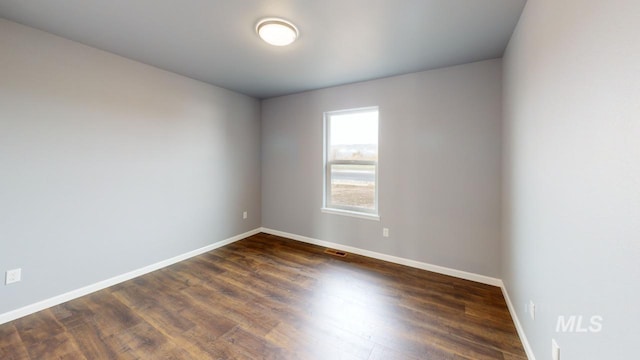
(277, 32)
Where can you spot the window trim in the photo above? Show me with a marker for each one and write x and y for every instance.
(356, 214)
(360, 212)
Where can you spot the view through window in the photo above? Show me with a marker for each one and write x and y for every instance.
(351, 160)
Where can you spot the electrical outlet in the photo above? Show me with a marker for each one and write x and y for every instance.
(13, 276)
(385, 232)
(532, 310)
(244, 215)
(555, 350)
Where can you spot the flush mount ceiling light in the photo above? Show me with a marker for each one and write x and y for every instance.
(277, 32)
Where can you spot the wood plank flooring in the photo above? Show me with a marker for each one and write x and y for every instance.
(267, 297)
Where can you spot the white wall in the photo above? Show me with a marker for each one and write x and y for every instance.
(439, 181)
(108, 165)
(572, 174)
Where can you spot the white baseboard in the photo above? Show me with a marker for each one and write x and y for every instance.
(390, 258)
(523, 337)
(74, 294)
(44, 304)
(419, 265)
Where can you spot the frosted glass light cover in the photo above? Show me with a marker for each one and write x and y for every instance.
(277, 32)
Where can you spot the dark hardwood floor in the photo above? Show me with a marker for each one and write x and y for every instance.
(266, 297)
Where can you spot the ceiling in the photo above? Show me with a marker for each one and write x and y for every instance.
(341, 41)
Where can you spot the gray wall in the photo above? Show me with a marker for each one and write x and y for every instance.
(572, 174)
(440, 168)
(108, 165)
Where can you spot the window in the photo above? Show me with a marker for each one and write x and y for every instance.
(351, 162)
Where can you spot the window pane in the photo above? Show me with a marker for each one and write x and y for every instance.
(353, 186)
(354, 136)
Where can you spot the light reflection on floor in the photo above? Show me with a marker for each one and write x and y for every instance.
(352, 302)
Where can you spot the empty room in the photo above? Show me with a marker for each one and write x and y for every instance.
(335, 179)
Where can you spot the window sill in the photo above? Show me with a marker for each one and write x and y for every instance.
(355, 214)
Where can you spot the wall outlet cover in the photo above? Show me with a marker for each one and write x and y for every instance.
(13, 276)
(532, 310)
(555, 350)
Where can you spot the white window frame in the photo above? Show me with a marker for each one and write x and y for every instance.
(359, 212)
